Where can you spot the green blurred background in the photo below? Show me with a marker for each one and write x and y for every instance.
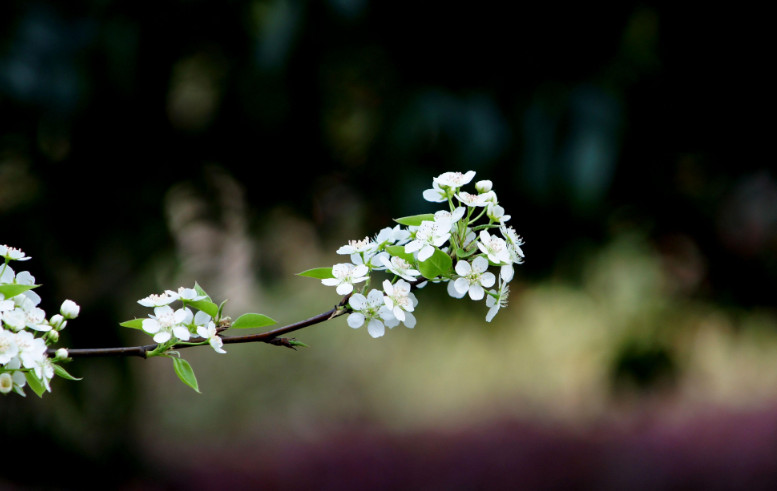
(148, 146)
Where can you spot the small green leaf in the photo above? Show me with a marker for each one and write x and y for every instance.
(133, 324)
(247, 321)
(35, 383)
(199, 290)
(185, 373)
(415, 220)
(12, 290)
(439, 264)
(461, 253)
(63, 373)
(320, 273)
(294, 342)
(206, 306)
(399, 251)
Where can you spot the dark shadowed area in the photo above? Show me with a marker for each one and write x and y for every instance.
(145, 147)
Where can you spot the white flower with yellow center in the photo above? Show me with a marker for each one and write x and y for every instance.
(8, 347)
(473, 278)
(454, 179)
(210, 333)
(13, 254)
(159, 300)
(476, 200)
(167, 323)
(358, 247)
(400, 301)
(372, 311)
(401, 268)
(345, 275)
(430, 234)
(494, 247)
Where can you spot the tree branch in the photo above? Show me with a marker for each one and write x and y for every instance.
(270, 337)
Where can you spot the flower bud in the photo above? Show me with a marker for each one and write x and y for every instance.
(52, 336)
(61, 354)
(484, 186)
(6, 383)
(70, 309)
(57, 322)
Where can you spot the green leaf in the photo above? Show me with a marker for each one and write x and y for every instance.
(461, 253)
(185, 373)
(206, 306)
(63, 373)
(399, 251)
(437, 265)
(320, 273)
(294, 342)
(199, 290)
(35, 383)
(133, 324)
(415, 220)
(12, 290)
(247, 321)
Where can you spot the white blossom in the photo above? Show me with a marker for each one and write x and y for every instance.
(401, 268)
(430, 234)
(159, 300)
(358, 247)
(210, 333)
(476, 200)
(392, 236)
(473, 278)
(6, 383)
(167, 323)
(494, 247)
(345, 275)
(400, 301)
(454, 179)
(13, 254)
(371, 310)
(186, 294)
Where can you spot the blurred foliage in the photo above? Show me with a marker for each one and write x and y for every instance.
(237, 143)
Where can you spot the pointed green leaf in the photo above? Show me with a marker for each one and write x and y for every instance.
(206, 306)
(461, 253)
(294, 342)
(35, 383)
(415, 220)
(64, 374)
(12, 290)
(439, 264)
(199, 290)
(185, 373)
(247, 321)
(133, 324)
(320, 273)
(399, 251)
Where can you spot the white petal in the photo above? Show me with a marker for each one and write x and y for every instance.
(507, 272)
(375, 328)
(330, 281)
(356, 320)
(359, 271)
(487, 279)
(452, 291)
(162, 337)
(462, 286)
(344, 288)
(463, 268)
(409, 320)
(358, 301)
(492, 312)
(480, 264)
(426, 253)
(181, 332)
(151, 326)
(476, 292)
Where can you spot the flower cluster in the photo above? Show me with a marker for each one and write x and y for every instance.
(25, 331)
(169, 327)
(446, 246)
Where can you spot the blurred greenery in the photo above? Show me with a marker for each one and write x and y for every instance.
(238, 143)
